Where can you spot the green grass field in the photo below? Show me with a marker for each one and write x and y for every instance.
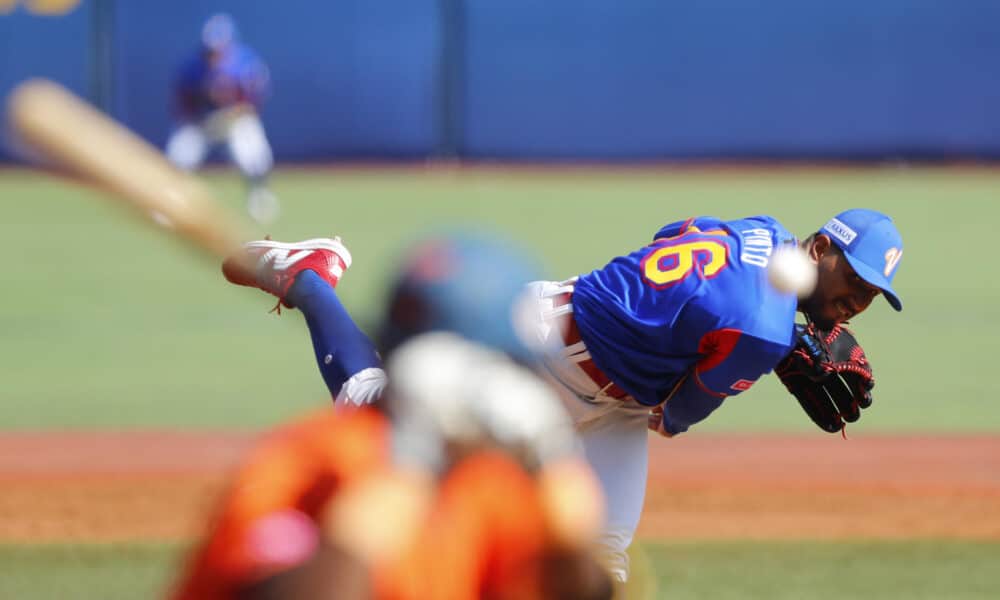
(679, 571)
(107, 324)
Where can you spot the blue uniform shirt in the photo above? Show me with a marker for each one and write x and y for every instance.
(239, 77)
(697, 303)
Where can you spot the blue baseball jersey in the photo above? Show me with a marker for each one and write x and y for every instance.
(239, 76)
(691, 314)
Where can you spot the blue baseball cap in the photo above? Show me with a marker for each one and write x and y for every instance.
(218, 32)
(872, 245)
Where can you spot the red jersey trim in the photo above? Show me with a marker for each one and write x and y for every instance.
(716, 346)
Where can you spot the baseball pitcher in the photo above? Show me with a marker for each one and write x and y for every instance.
(660, 337)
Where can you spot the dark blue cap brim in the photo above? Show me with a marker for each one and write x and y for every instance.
(875, 278)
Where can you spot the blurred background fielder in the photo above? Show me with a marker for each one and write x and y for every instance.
(217, 97)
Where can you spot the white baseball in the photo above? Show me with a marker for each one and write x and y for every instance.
(791, 271)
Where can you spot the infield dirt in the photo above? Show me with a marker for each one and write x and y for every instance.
(57, 487)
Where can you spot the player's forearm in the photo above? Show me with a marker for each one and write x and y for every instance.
(691, 404)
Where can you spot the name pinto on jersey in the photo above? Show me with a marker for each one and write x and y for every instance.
(757, 247)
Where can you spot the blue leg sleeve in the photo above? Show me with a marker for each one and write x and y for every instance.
(341, 348)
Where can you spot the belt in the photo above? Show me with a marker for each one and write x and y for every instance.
(571, 335)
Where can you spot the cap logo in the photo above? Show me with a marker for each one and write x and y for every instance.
(892, 256)
(840, 231)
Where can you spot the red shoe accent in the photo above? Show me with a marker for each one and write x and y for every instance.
(272, 266)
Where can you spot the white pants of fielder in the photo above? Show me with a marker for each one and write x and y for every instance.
(242, 134)
(613, 431)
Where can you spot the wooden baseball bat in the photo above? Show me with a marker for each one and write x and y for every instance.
(72, 134)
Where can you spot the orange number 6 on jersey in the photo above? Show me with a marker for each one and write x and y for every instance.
(671, 261)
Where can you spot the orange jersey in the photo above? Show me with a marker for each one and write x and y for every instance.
(484, 535)
(484, 538)
(266, 520)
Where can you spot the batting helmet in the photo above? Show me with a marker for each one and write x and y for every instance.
(468, 284)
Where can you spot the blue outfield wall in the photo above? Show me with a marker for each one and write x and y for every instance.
(52, 47)
(563, 79)
(657, 78)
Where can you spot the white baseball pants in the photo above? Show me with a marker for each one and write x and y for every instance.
(613, 431)
(242, 134)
